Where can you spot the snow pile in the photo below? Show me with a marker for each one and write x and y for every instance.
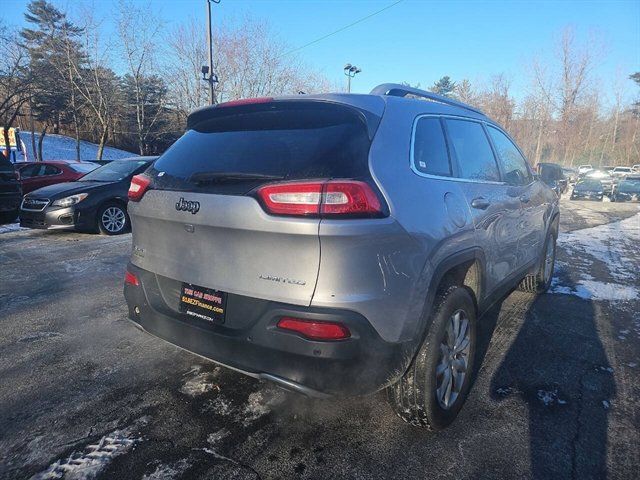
(260, 403)
(61, 147)
(612, 247)
(11, 227)
(214, 438)
(163, 472)
(92, 460)
(200, 382)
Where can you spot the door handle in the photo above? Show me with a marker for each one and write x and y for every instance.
(524, 199)
(480, 203)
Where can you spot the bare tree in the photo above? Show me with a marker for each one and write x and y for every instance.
(249, 60)
(15, 80)
(187, 53)
(95, 84)
(139, 33)
(497, 102)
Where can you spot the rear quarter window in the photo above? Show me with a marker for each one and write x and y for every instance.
(430, 154)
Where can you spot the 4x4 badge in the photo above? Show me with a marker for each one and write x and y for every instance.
(187, 206)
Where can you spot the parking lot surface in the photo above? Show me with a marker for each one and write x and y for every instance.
(84, 394)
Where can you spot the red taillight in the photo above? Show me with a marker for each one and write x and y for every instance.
(314, 329)
(139, 185)
(292, 198)
(349, 198)
(322, 198)
(131, 279)
(244, 101)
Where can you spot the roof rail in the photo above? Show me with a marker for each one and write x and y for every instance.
(398, 90)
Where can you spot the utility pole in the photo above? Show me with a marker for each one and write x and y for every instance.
(207, 71)
(350, 71)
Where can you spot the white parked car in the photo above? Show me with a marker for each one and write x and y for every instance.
(584, 169)
(622, 172)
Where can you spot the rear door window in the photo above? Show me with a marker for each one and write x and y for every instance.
(32, 171)
(513, 163)
(51, 170)
(287, 141)
(472, 150)
(430, 153)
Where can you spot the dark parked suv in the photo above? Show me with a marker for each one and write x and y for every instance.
(339, 244)
(10, 191)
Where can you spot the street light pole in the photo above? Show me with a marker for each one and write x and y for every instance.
(350, 71)
(207, 71)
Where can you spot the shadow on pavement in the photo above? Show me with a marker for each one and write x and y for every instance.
(557, 365)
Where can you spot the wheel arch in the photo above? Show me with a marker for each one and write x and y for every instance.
(466, 268)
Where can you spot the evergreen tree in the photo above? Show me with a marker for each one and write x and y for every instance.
(635, 108)
(445, 86)
(49, 43)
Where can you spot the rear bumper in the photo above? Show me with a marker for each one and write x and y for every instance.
(250, 342)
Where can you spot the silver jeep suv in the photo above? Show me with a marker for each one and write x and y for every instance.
(339, 244)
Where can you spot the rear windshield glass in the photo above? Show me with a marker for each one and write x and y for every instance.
(83, 167)
(586, 184)
(284, 141)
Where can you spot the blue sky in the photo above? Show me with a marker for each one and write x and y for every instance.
(418, 41)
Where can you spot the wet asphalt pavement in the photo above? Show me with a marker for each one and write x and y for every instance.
(84, 394)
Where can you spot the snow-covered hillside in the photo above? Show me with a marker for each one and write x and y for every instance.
(61, 147)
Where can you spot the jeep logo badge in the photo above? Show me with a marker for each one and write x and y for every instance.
(187, 206)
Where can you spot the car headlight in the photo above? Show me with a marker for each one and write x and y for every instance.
(70, 200)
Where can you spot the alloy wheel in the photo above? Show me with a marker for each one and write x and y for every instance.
(113, 219)
(451, 371)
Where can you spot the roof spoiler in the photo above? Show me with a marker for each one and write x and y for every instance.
(398, 90)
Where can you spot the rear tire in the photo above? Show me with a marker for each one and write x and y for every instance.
(436, 385)
(541, 281)
(113, 219)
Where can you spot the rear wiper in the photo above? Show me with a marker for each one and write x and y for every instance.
(225, 177)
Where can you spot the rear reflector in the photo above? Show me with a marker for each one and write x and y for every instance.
(131, 279)
(321, 198)
(139, 185)
(315, 330)
(245, 101)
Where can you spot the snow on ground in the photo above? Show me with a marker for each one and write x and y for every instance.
(92, 460)
(612, 247)
(200, 382)
(10, 227)
(164, 472)
(61, 147)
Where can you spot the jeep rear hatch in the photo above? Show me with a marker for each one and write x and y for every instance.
(232, 241)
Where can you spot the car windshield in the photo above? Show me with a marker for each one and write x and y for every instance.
(632, 186)
(114, 171)
(589, 184)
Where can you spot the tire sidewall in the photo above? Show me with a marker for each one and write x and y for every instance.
(551, 240)
(458, 298)
(101, 211)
